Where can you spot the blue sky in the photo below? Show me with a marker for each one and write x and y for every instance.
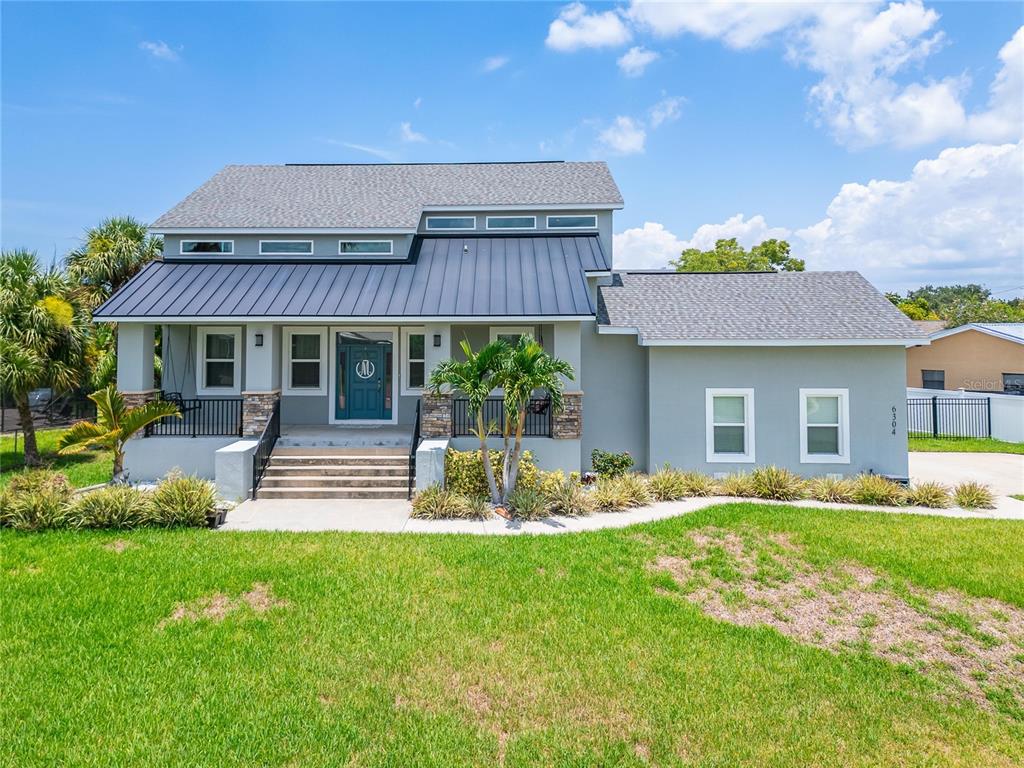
(782, 117)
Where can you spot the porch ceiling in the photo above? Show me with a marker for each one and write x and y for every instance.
(446, 277)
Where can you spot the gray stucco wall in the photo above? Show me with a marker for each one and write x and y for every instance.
(874, 376)
(150, 459)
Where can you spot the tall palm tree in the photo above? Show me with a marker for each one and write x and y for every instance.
(43, 335)
(474, 378)
(110, 255)
(524, 368)
(114, 425)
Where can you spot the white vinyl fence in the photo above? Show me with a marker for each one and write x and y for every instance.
(957, 413)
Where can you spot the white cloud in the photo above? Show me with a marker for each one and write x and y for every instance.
(738, 24)
(418, 102)
(634, 61)
(625, 136)
(383, 154)
(494, 63)
(410, 136)
(576, 28)
(648, 247)
(161, 50)
(1005, 113)
(749, 232)
(666, 110)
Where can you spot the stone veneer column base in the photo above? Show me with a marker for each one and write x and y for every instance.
(257, 408)
(135, 399)
(568, 424)
(435, 415)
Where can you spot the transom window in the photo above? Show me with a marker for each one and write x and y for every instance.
(730, 425)
(824, 426)
(368, 247)
(285, 247)
(415, 350)
(451, 222)
(219, 361)
(304, 361)
(572, 222)
(207, 246)
(933, 379)
(511, 222)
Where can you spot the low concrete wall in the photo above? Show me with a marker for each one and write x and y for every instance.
(233, 469)
(151, 458)
(430, 462)
(548, 453)
(1007, 410)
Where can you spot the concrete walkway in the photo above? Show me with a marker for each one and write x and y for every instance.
(1002, 472)
(391, 516)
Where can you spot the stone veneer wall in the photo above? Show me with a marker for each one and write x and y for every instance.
(257, 408)
(435, 415)
(135, 399)
(568, 425)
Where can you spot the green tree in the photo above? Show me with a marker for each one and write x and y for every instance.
(110, 255)
(915, 309)
(114, 425)
(729, 256)
(43, 335)
(475, 377)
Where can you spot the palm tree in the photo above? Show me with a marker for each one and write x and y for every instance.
(43, 336)
(474, 377)
(110, 256)
(114, 425)
(524, 368)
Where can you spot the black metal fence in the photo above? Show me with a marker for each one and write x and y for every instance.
(265, 446)
(953, 418)
(207, 417)
(538, 417)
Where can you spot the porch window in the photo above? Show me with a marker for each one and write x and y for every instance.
(451, 222)
(304, 361)
(824, 426)
(414, 348)
(219, 364)
(511, 222)
(510, 334)
(286, 247)
(730, 425)
(207, 246)
(572, 222)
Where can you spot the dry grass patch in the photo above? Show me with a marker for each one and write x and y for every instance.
(118, 545)
(973, 647)
(217, 607)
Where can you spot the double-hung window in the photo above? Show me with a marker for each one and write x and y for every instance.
(730, 425)
(825, 426)
(219, 364)
(304, 370)
(933, 379)
(415, 368)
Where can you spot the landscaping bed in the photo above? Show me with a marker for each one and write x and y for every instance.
(81, 469)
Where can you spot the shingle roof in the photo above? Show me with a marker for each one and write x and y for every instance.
(381, 196)
(464, 277)
(930, 326)
(1008, 331)
(760, 307)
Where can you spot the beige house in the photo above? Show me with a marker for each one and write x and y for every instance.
(984, 357)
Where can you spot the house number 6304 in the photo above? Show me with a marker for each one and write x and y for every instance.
(894, 419)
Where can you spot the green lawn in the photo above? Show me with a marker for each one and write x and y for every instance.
(409, 650)
(969, 445)
(82, 469)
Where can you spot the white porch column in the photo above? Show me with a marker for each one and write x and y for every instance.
(434, 355)
(135, 362)
(567, 347)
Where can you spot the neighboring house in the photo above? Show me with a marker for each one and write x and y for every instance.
(321, 297)
(982, 357)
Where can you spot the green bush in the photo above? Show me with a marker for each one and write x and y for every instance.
(569, 498)
(776, 483)
(668, 484)
(635, 489)
(838, 490)
(464, 471)
(437, 503)
(116, 506)
(699, 484)
(878, 490)
(972, 495)
(736, 484)
(934, 495)
(35, 500)
(609, 464)
(609, 495)
(183, 500)
(528, 502)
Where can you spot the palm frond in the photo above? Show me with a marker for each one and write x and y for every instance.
(84, 435)
(134, 419)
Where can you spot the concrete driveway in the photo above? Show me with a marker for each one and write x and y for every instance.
(1003, 472)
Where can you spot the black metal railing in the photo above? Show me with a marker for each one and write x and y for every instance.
(538, 416)
(208, 417)
(953, 418)
(265, 446)
(412, 450)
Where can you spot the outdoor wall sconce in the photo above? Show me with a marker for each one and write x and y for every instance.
(437, 339)
(259, 339)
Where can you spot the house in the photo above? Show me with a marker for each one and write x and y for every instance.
(314, 300)
(981, 357)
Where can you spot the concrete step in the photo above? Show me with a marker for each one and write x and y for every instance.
(331, 493)
(321, 481)
(368, 450)
(378, 461)
(337, 470)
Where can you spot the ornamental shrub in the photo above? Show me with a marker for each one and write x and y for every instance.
(464, 472)
(699, 484)
(776, 483)
(183, 500)
(736, 484)
(569, 499)
(437, 503)
(878, 490)
(838, 490)
(115, 506)
(668, 484)
(35, 500)
(972, 495)
(609, 464)
(528, 502)
(934, 495)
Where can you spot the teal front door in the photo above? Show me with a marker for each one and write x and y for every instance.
(362, 381)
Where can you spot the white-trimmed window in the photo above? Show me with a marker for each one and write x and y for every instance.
(511, 222)
(451, 222)
(588, 221)
(219, 363)
(510, 333)
(366, 247)
(305, 370)
(286, 247)
(191, 247)
(414, 365)
(825, 426)
(730, 425)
